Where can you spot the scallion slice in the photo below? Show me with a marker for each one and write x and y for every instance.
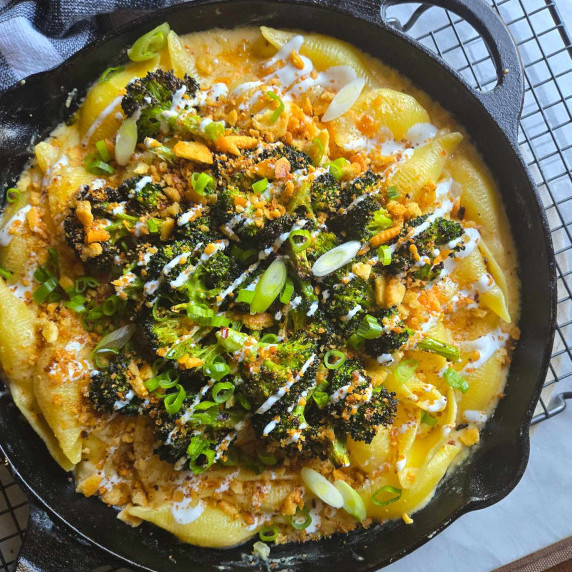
(387, 489)
(301, 519)
(126, 141)
(115, 340)
(222, 391)
(279, 110)
(405, 370)
(317, 151)
(44, 290)
(245, 296)
(217, 368)
(260, 186)
(370, 328)
(103, 151)
(269, 286)
(201, 456)
(353, 503)
(12, 194)
(150, 44)
(321, 398)
(336, 258)
(321, 487)
(215, 130)
(6, 274)
(392, 193)
(384, 254)
(202, 182)
(428, 419)
(269, 339)
(268, 533)
(456, 380)
(334, 359)
(288, 290)
(98, 167)
(110, 72)
(174, 401)
(300, 240)
(336, 167)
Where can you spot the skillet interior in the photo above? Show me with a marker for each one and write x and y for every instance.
(31, 111)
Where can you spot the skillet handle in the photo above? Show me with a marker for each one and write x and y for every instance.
(505, 101)
(48, 547)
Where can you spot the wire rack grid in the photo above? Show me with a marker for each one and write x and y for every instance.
(545, 138)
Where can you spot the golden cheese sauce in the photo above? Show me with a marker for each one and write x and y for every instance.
(382, 124)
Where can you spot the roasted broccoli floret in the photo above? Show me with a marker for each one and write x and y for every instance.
(298, 159)
(357, 408)
(326, 194)
(368, 183)
(349, 299)
(395, 335)
(220, 270)
(274, 229)
(171, 259)
(195, 231)
(141, 195)
(418, 261)
(152, 96)
(362, 219)
(110, 390)
(225, 207)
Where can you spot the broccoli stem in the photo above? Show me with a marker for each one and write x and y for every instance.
(440, 348)
(338, 452)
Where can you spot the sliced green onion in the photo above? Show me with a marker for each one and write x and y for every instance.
(269, 339)
(219, 322)
(456, 380)
(384, 254)
(115, 340)
(201, 182)
(111, 305)
(279, 110)
(76, 303)
(336, 258)
(244, 403)
(199, 450)
(434, 346)
(334, 359)
(231, 340)
(245, 296)
(103, 151)
(387, 489)
(267, 459)
(215, 130)
(200, 313)
(428, 419)
(317, 155)
(110, 72)
(269, 286)
(392, 193)
(260, 186)
(222, 391)
(126, 141)
(300, 240)
(217, 369)
(97, 358)
(353, 503)
(98, 167)
(321, 398)
(6, 274)
(405, 370)
(356, 342)
(43, 291)
(154, 225)
(12, 194)
(268, 533)
(288, 290)
(150, 44)
(321, 487)
(301, 519)
(336, 167)
(174, 401)
(370, 328)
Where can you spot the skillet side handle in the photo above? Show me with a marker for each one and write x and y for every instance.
(48, 547)
(505, 101)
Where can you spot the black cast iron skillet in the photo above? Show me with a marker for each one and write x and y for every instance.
(70, 533)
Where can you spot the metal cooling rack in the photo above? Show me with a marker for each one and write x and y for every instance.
(545, 138)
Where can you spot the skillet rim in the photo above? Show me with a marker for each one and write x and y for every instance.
(473, 503)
